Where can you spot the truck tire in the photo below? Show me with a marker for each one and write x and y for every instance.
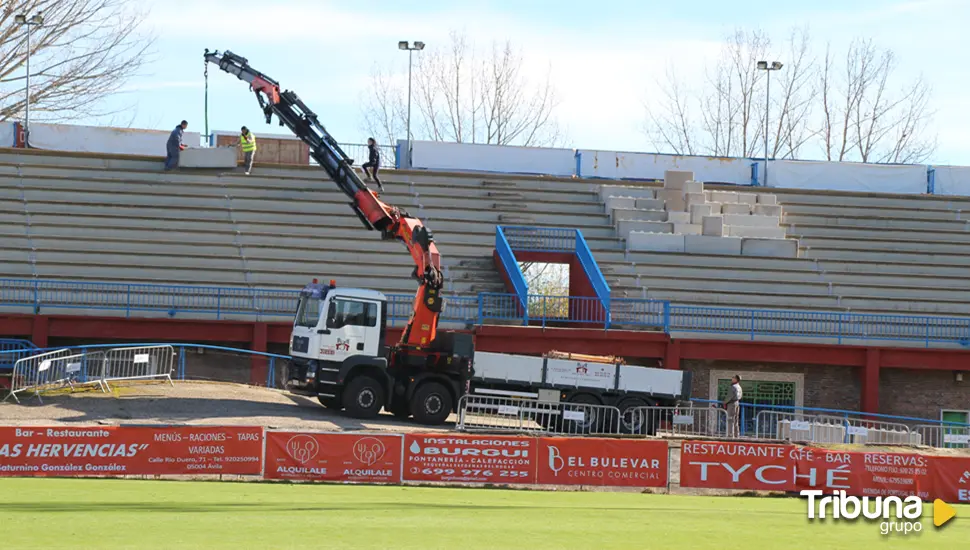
(431, 404)
(363, 397)
(631, 420)
(329, 402)
(592, 418)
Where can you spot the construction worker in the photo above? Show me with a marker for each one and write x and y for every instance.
(247, 142)
(373, 162)
(174, 146)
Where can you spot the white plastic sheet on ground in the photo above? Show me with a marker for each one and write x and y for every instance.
(952, 180)
(651, 166)
(117, 141)
(436, 155)
(847, 176)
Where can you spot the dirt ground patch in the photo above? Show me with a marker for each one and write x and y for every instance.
(191, 403)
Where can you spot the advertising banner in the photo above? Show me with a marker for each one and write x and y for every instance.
(950, 478)
(728, 465)
(470, 458)
(605, 462)
(363, 458)
(873, 474)
(109, 451)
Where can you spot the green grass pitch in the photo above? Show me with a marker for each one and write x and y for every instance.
(107, 514)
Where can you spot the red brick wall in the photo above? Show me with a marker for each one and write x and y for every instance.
(827, 387)
(921, 393)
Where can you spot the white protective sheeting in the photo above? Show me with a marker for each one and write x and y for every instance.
(597, 164)
(91, 139)
(7, 134)
(436, 155)
(651, 166)
(848, 176)
(952, 180)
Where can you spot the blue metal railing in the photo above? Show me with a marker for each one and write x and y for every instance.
(511, 265)
(39, 296)
(748, 413)
(592, 270)
(540, 239)
(560, 239)
(13, 349)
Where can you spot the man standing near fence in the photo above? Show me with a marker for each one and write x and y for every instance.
(733, 405)
(247, 142)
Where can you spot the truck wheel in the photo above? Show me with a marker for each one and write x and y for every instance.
(633, 419)
(363, 397)
(329, 402)
(591, 422)
(431, 403)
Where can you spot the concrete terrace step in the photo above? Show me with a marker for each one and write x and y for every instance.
(863, 222)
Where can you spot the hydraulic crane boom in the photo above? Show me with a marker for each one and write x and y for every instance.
(392, 222)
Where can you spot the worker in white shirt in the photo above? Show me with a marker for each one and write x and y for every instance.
(733, 405)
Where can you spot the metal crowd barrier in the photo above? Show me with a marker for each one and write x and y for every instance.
(140, 363)
(54, 370)
(65, 368)
(822, 428)
(481, 413)
(943, 437)
(681, 421)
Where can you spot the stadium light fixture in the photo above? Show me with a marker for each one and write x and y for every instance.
(35, 20)
(418, 46)
(763, 66)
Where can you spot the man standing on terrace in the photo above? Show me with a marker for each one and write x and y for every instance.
(174, 146)
(733, 405)
(247, 142)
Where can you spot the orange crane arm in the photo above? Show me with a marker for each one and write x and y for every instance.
(392, 222)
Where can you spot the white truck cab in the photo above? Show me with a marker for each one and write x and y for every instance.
(333, 324)
(339, 355)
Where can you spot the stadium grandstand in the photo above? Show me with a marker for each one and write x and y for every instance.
(216, 256)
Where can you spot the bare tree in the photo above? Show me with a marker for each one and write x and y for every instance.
(864, 119)
(84, 51)
(460, 95)
(849, 109)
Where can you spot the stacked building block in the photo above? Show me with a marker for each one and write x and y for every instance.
(683, 217)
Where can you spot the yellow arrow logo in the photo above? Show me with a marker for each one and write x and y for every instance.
(942, 512)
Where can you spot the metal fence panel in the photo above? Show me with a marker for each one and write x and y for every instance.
(942, 437)
(479, 413)
(864, 430)
(138, 363)
(681, 421)
(55, 370)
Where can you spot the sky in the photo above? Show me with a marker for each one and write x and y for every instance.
(605, 58)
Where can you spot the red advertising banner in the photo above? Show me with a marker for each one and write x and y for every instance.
(950, 477)
(108, 451)
(606, 462)
(364, 458)
(469, 458)
(872, 474)
(748, 466)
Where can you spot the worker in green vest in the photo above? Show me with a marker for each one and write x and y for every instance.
(247, 142)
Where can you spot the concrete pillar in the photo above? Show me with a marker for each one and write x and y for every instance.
(41, 331)
(870, 381)
(260, 364)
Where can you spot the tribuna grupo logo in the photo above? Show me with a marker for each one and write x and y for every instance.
(898, 515)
